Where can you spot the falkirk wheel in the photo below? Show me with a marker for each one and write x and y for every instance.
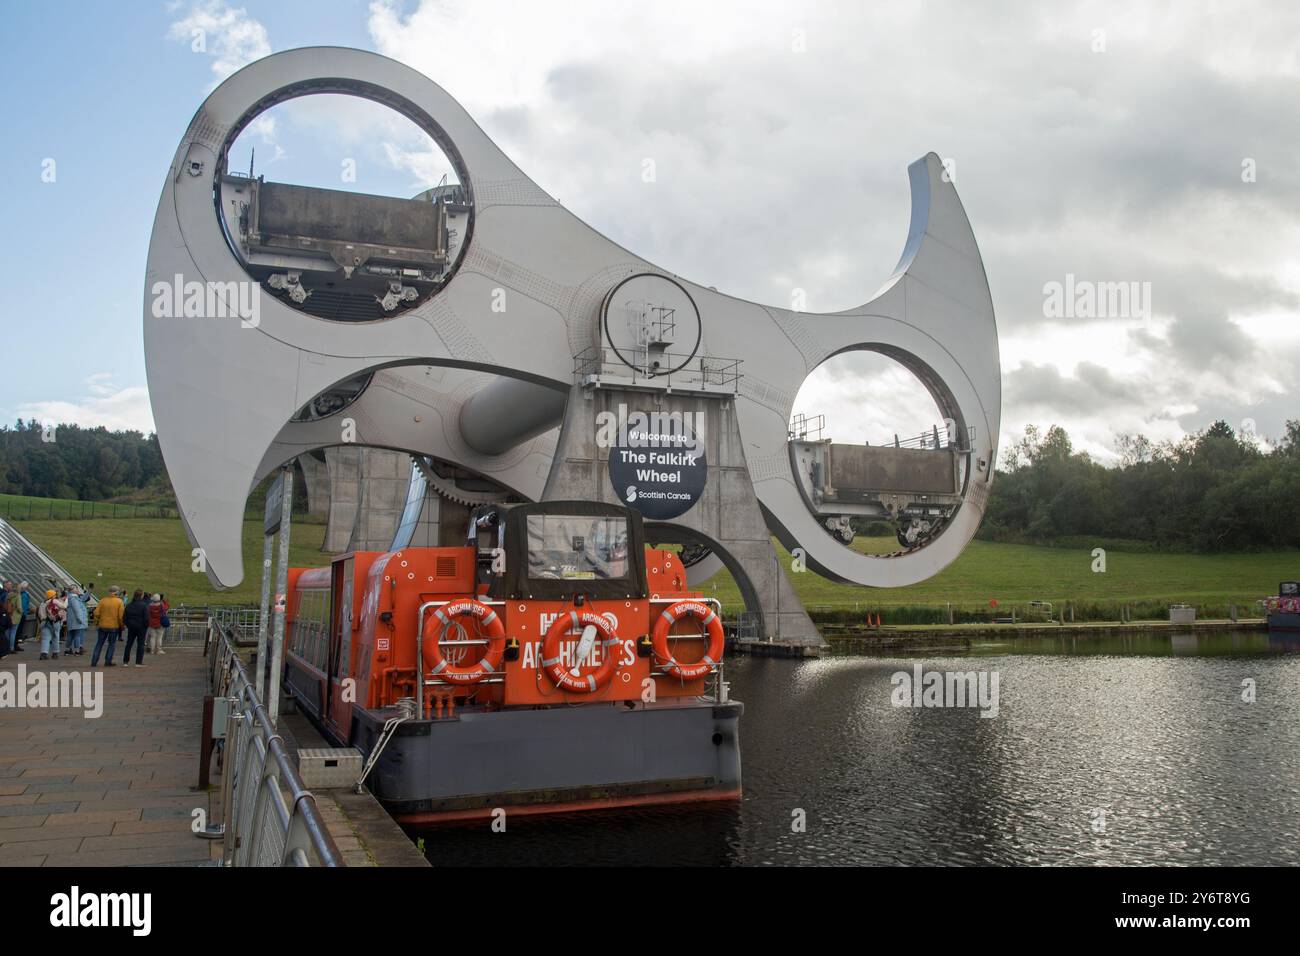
(486, 331)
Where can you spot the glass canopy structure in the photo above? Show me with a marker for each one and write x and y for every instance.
(20, 560)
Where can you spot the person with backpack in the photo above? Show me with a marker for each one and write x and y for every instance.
(108, 620)
(50, 614)
(155, 634)
(136, 619)
(77, 620)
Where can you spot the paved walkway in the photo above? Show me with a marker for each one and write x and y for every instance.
(115, 790)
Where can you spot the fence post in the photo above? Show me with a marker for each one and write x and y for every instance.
(262, 665)
(280, 607)
(205, 743)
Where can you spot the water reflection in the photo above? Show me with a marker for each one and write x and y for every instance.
(1146, 733)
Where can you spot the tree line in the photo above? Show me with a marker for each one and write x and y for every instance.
(68, 461)
(1216, 490)
(1213, 491)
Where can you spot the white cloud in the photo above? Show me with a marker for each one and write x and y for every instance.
(779, 169)
(104, 404)
(228, 34)
(427, 167)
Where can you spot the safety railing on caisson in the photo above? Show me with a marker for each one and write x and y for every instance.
(267, 817)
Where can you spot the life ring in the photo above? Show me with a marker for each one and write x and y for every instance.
(564, 677)
(489, 623)
(712, 624)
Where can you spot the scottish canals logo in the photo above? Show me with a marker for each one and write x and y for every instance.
(656, 459)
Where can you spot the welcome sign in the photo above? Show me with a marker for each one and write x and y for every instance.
(657, 463)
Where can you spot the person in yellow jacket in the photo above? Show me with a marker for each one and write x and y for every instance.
(109, 616)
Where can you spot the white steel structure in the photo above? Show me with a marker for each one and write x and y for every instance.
(489, 389)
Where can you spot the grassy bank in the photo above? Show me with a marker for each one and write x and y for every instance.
(15, 508)
(1014, 574)
(154, 552)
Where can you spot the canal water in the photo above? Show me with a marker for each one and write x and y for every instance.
(1133, 750)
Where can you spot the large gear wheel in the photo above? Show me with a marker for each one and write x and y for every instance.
(447, 487)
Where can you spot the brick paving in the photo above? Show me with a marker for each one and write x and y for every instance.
(116, 790)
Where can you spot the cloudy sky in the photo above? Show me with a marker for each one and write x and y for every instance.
(1139, 143)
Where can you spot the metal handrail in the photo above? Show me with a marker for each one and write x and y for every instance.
(807, 427)
(707, 373)
(268, 817)
(419, 645)
(239, 621)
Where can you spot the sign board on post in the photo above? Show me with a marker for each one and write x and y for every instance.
(274, 499)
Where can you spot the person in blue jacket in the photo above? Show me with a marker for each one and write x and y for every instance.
(78, 620)
(26, 622)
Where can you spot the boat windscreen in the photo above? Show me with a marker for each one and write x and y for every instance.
(577, 547)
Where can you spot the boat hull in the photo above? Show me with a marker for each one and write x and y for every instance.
(1283, 622)
(553, 760)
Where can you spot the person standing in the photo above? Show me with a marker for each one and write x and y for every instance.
(155, 633)
(78, 617)
(4, 618)
(166, 621)
(26, 619)
(50, 613)
(109, 613)
(15, 617)
(136, 619)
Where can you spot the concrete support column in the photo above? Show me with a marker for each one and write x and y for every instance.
(385, 478)
(343, 465)
(316, 481)
(727, 516)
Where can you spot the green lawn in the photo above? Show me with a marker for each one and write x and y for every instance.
(1018, 573)
(154, 553)
(16, 508)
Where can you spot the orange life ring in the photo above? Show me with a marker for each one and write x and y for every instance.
(712, 624)
(489, 623)
(565, 677)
